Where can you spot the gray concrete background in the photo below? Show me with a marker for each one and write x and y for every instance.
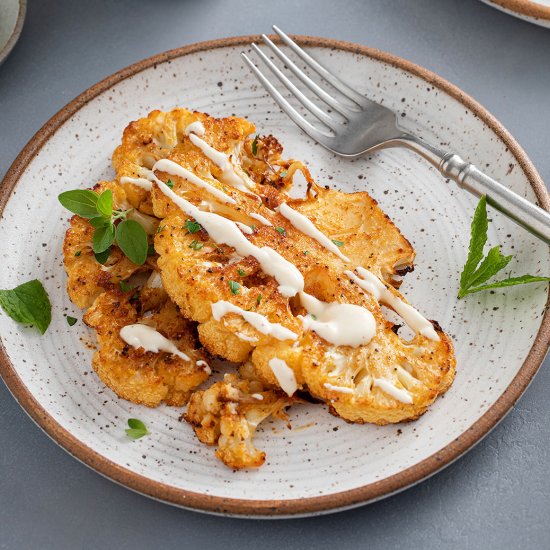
(498, 495)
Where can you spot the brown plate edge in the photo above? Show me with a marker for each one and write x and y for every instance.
(293, 507)
(525, 7)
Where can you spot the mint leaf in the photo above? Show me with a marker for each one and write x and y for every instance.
(103, 238)
(137, 429)
(28, 303)
(80, 201)
(102, 257)
(132, 240)
(105, 203)
(512, 281)
(477, 240)
(99, 221)
(478, 269)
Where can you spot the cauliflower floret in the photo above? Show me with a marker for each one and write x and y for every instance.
(137, 375)
(228, 413)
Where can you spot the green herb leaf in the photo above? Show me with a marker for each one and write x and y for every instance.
(170, 184)
(281, 230)
(314, 317)
(512, 281)
(80, 201)
(78, 253)
(105, 203)
(28, 303)
(283, 174)
(196, 245)
(137, 429)
(102, 257)
(103, 238)
(241, 272)
(99, 221)
(306, 252)
(255, 145)
(192, 227)
(132, 240)
(235, 287)
(125, 286)
(71, 320)
(253, 227)
(258, 299)
(478, 269)
(338, 243)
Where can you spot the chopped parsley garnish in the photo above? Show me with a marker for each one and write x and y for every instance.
(283, 174)
(253, 227)
(28, 303)
(196, 245)
(78, 253)
(258, 299)
(234, 287)
(255, 146)
(306, 252)
(170, 184)
(192, 227)
(136, 429)
(241, 272)
(338, 243)
(125, 287)
(479, 269)
(281, 230)
(71, 320)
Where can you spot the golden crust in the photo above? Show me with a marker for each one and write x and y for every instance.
(227, 415)
(137, 375)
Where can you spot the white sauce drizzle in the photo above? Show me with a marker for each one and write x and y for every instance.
(245, 337)
(196, 127)
(339, 324)
(171, 167)
(146, 337)
(140, 182)
(257, 320)
(224, 231)
(306, 226)
(372, 284)
(260, 218)
(397, 393)
(257, 396)
(339, 389)
(205, 365)
(229, 174)
(284, 375)
(245, 228)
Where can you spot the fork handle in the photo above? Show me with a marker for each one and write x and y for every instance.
(466, 175)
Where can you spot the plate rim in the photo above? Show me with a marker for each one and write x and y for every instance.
(279, 507)
(526, 8)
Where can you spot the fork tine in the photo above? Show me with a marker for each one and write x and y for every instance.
(306, 102)
(342, 87)
(313, 86)
(295, 116)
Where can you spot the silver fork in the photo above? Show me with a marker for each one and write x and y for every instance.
(368, 126)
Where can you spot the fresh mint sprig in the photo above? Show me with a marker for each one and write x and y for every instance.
(479, 269)
(28, 303)
(111, 226)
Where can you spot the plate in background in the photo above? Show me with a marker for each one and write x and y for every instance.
(324, 464)
(12, 17)
(535, 12)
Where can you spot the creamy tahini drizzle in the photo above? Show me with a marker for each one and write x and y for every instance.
(373, 285)
(339, 324)
(146, 337)
(258, 321)
(306, 226)
(339, 389)
(196, 127)
(284, 375)
(397, 393)
(229, 174)
(224, 231)
(140, 182)
(244, 228)
(260, 218)
(171, 167)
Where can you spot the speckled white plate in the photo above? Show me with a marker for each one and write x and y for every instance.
(323, 464)
(534, 12)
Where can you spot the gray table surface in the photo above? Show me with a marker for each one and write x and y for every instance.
(498, 495)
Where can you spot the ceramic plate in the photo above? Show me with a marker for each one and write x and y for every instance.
(535, 12)
(323, 464)
(12, 17)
